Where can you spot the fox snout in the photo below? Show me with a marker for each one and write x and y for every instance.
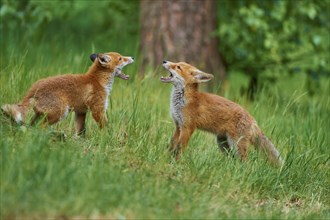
(166, 64)
(125, 61)
(130, 59)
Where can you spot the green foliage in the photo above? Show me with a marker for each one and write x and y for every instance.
(38, 19)
(268, 39)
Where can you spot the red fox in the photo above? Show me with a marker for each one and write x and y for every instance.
(53, 97)
(190, 109)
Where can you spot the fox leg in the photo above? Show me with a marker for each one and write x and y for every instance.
(175, 139)
(223, 143)
(51, 107)
(52, 117)
(35, 118)
(99, 116)
(242, 144)
(184, 137)
(80, 123)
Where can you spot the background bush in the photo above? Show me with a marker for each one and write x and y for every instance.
(269, 39)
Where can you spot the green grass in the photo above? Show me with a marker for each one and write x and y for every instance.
(125, 171)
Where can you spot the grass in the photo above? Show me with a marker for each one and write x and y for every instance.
(125, 171)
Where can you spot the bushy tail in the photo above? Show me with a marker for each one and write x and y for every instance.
(14, 112)
(265, 145)
(18, 112)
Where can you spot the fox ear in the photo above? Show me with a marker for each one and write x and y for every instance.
(103, 59)
(93, 56)
(202, 77)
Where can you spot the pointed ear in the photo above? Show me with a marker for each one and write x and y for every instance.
(202, 77)
(103, 59)
(93, 56)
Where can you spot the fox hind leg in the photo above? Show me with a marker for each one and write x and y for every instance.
(241, 144)
(227, 145)
(223, 143)
(80, 123)
(52, 112)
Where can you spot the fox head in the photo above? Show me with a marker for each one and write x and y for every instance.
(113, 62)
(184, 74)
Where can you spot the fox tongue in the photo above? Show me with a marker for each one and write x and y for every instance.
(122, 75)
(165, 79)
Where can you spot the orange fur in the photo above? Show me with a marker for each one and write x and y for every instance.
(55, 96)
(191, 110)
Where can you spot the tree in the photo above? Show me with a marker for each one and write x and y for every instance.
(180, 30)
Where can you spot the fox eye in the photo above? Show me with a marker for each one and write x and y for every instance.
(178, 67)
(119, 58)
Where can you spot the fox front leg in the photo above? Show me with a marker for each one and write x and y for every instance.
(99, 116)
(175, 139)
(184, 138)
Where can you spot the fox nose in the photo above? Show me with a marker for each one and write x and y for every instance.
(132, 58)
(164, 61)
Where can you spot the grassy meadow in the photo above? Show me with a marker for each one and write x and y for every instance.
(125, 171)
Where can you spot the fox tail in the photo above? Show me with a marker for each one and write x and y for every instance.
(264, 144)
(14, 112)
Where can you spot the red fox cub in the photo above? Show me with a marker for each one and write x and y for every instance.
(234, 127)
(53, 97)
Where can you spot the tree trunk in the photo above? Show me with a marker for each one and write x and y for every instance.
(180, 30)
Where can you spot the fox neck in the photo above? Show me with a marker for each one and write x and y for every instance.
(108, 86)
(179, 99)
(102, 76)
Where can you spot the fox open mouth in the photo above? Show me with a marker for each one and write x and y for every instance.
(167, 79)
(121, 75)
(118, 69)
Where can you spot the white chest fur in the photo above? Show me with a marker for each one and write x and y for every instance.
(108, 88)
(177, 103)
